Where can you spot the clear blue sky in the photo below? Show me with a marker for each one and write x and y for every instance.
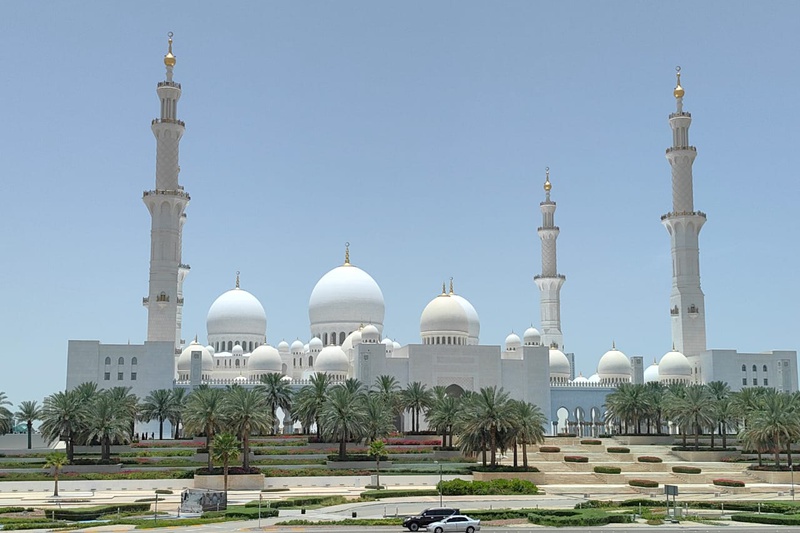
(419, 132)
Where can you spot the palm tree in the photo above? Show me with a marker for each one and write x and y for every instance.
(694, 409)
(128, 406)
(278, 395)
(630, 404)
(204, 414)
(672, 408)
(719, 392)
(29, 411)
(175, 415)
(62, 418)
(225, 448)
(529, 422)
(377, 449)
(416, 398)
(245, 412)
(309, 400)
(6, 420)
(388, 389)
(378, 423)
(442, 415)
(343, 417)
(776, 424)
(488, 413)
(55, 460)
(656, 394)
(107, 421)
(157, 405)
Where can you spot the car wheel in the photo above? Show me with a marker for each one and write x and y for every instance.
(470, 529)
(438, 530)
(413, 526)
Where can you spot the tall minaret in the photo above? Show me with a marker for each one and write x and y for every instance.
(550, 281)
(167, 204)
(686, 302)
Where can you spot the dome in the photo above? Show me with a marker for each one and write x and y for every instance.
(473, 320)
(239, 380)
(265, 358)
(236, 312)
(211, 350)
(614, 366)
(332, 360)
(185, 359)
(370, 334)
(651, 373)
(345, 294)
(298, 347)
(513, 342)
(594, 378)
(389, 343)
(580, 380)
(396, 345)
(287, 379)
(444, 316)
(237, 350)
(351, 341)
(532, 337)
(283, 347)
(315, 345)
(674, 366)
(559, 365)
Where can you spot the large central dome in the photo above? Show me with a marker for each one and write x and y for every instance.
(342, 300)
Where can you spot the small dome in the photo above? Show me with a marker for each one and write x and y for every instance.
(396, 345)
(532, 337)
(315, 345)
(651, 373)
(283, 347)
(370, 334)
(594, 378)
(614, 366)
(240, 380)
(185, 359)
(674, 367)
(265, 358)
(286, 379)
(513, 342)
(473, 320)
(298, 347)
(388, 343)
(580, 380)
(237, 350)
(332, 360)
(236, 312)
(559, 365)
(211, 350)
(444, 316)
(352, 340)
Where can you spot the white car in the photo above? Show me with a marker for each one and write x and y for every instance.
(457, 522)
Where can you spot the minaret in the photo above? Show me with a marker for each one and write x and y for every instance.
(167, 204)
(686, 302)
(549, 281)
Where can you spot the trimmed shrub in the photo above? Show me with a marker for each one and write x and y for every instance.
(232, 471)
(618, 449)
(459, 487)
(352, 457)
(300, 501)
(649, 459)
(607, 470)
(686, 470)
(4, 510)
(647, 483)
(503, 468)
(764, 518)
(728, 483)
(591, 441)
(570, 517)
(93, 513)
(163, 491)
(549, 449)
(398, 493)
(576, 459)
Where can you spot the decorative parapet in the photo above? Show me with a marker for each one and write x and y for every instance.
(676, 148)
(675, 214)
(680, 114)
(163, 192)
(557, 276)
(540, 228)
(168, 121)
(169, 84)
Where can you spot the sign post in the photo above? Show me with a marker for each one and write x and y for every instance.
(671, 490)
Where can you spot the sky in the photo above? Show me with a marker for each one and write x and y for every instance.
(417, 131)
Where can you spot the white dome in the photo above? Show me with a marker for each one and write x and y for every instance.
(559, 365)
(298, 347)
(345, 295)
(211, 350)
(651, 373)
(265, 358)
(396, 345)
(332, 360)
(236, 312)
(314, 345)
(240, 380)
(473, 320)
(389, 343)
(351, 341)
(283, 347)
(444, 316)
(594, 378)
(370, 334)
(532, 337)
(287, 379)
(674, 366)
(237, 350)
(185, 359)
(513, 341)
(580, 379)
(614, 366)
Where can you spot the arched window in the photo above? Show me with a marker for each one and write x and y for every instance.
(230, 346)
(310, 360)
(324, 339)
(755, 368)
(744, 368)
(108, 360)
(765, 368)
(121, 361)
(341, 338)
(135, 362)
(237, 363)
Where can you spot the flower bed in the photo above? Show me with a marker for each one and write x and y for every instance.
(647, 483)
(591, 441)
(649, 459)
(576, 459)
(728, 483)
(169, 444)
(549, 449)
(618, 449)
(607, 470)
(686, 470)
(412, 442)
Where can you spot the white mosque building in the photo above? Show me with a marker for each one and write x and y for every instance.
(346, 313)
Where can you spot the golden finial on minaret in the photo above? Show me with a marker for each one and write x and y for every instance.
(347, 253)
(169, 59)
(547, 184)
(237, 279)
(451, 285)
(678, 92)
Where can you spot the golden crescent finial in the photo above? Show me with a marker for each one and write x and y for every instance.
(169, 59)
(678, 92)
(237, 279)
(347, 253)
(547, 184)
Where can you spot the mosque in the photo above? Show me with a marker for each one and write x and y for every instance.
(346, 313)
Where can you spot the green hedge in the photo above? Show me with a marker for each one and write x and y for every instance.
(93, 513)
(607, 470)
(571, 517)
(459, 487)
(764, 518)
(503, 468)
(649, 459)
(300, 501)
(398, 493)
(354, 457)
(643, 483)
(248, 513)
(591, 441)
(618, 449)
(4, 510)
(549, 449)
(686, 470)
(576, 459)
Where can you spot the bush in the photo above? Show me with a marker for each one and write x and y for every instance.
(94, 462)
(643, 483)
(352, 457)
(549, 449)
(686, 470)
(607, 470)
(459, 487)
(232, 471)
(728, 483)
(93, 513)
(503, 468)
(576, 459)
(163, 491)
(649, 459)
(301, 501)
(398, 493)
(763, 518)
(618, 449)
(591, 441)
(570, 517)
(4, 510)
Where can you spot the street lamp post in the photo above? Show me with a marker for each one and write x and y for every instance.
(440, 482)
(791, 470)
(260, 496)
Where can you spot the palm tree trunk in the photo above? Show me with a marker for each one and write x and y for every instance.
(493, 444)
(225, 478)
(246, 450)
(524, 455)
(208, 449)
(778, 457)
(70, 448)
(760, 459)
(724, 433)
(696, 436)
(683, 435)
(712, 437)
(160, 428)
(55, 478)
(343, 448)
(30, 430)
(105, 449)
(378, 471)
(515, 453)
